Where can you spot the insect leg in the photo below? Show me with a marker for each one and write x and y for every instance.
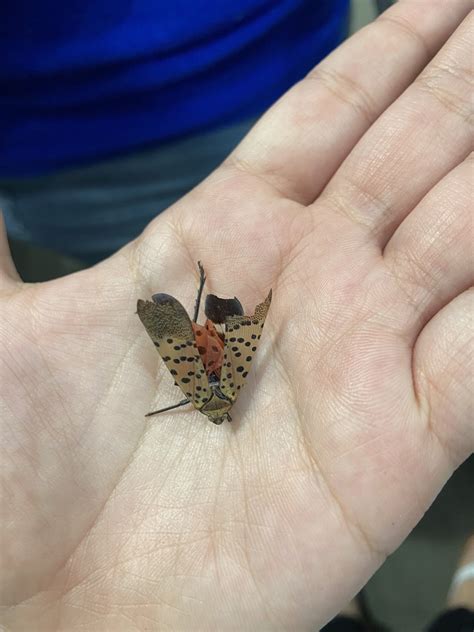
(202, 280)
(183, 402)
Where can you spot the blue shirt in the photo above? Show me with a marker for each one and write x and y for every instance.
(87, 79)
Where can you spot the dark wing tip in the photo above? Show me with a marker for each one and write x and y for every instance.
(218, 309)
(268, 299)
(142, 306)
(162, 299)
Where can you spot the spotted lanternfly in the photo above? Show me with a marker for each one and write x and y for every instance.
(210, 367)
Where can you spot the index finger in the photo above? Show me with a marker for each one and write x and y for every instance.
(301, 141)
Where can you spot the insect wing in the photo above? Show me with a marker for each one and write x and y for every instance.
(218, 309)
(171, 331)
(242, 335)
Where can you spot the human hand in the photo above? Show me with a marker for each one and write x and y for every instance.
(351, 199)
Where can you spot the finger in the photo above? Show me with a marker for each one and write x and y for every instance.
(430, 255)
(420, 138)
(298, 145)
(8, 273)
(443, 370)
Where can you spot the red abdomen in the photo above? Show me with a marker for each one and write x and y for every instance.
(210, 346)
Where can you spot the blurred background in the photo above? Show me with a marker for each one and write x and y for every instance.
(410, 588)
(65, 208)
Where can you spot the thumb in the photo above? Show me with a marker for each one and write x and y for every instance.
(8, 273)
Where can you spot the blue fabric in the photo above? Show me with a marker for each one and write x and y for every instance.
(82, 80)
(90, 212)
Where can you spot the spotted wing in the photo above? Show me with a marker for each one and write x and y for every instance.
(242, 335)
(170, 328)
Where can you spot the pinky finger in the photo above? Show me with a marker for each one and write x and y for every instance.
(443, 367)
(8, 274)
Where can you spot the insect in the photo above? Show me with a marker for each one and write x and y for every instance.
(209, 366)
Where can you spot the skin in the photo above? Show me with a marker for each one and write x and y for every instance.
(462, 594)
(352, 199)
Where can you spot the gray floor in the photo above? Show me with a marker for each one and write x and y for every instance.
(411, 586)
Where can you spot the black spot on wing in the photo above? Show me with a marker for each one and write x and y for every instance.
(240, 349)
(170, 329)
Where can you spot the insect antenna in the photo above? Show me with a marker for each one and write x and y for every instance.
(202, 280)
(183, 402)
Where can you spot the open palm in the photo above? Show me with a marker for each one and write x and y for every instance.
(351, 199)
